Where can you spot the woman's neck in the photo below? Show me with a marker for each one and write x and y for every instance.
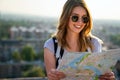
(73, 42)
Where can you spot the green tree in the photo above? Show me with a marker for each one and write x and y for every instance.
(34, 72)
(16, 56)
(115, 39)
(27, 67)
(40, 56)
(4, 30)
(28, 53)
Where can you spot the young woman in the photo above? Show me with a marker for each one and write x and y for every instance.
(73, 35)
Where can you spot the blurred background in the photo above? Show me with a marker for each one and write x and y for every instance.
(26, 24)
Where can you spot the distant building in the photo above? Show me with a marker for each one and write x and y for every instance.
(22, 32)
(21, 36)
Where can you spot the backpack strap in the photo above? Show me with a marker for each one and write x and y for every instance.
(61, 52)
(55, 49)
(55, 45)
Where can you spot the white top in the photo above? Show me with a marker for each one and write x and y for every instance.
(96, 42)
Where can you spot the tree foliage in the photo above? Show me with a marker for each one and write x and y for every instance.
(28, 53)
(34, 72)
(16, 56)
(115, 39)
(40, 56)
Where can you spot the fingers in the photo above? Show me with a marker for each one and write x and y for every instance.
(107, 76)
(52, 75)
(60, 74)
(55, 75)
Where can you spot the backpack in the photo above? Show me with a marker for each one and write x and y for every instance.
(55, 50)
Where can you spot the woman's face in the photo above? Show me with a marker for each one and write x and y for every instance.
(77, 20)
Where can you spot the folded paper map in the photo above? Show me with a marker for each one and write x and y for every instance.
(87, 66)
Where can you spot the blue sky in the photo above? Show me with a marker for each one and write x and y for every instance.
(100, 9)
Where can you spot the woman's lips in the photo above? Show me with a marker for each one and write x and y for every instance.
(77, 26)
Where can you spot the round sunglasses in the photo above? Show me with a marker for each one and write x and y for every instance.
(75, 18)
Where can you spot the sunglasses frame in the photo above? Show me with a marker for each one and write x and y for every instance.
(84, 19)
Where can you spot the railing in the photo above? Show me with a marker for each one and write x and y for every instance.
(30, 78)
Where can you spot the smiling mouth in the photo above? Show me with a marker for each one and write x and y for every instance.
(78, 26)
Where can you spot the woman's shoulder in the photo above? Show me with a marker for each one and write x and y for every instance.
(97, 43)
(49, 44)
(48, 40)
(96, 39)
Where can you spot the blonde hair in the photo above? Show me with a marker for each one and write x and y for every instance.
(85, 34)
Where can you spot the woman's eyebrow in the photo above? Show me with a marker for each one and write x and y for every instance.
(74, 14)
(78, 14)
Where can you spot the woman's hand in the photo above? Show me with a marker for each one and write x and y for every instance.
(107, 76)
(55, 75)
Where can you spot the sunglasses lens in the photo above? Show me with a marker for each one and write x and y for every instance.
(75, 18)
(85, 19)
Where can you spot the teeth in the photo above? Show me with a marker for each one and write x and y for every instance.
(78, 26)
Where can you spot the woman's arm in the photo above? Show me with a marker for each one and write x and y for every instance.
(50, 66)
(49, 60)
